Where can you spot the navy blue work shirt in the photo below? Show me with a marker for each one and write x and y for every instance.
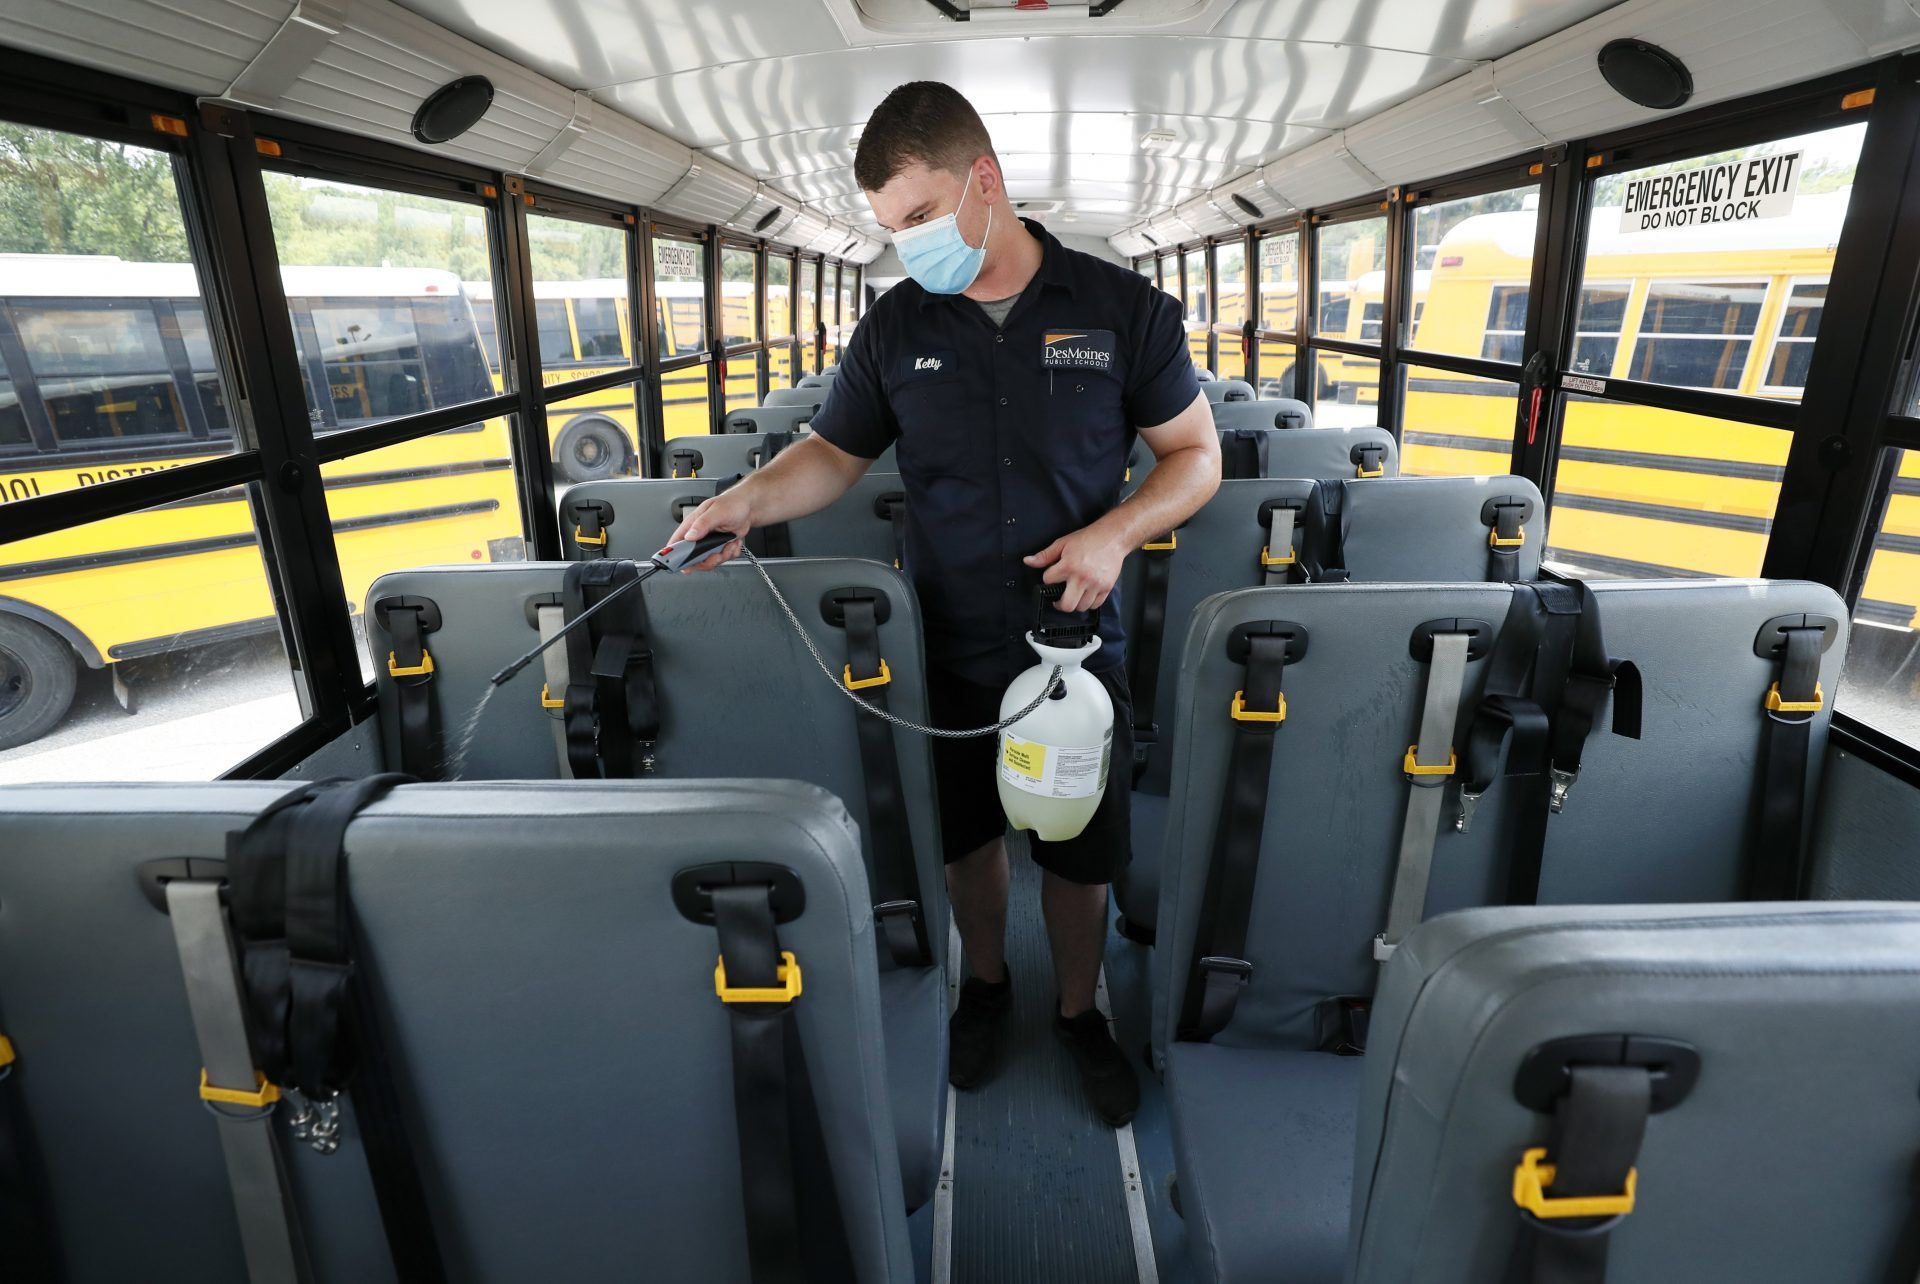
(1008, 438)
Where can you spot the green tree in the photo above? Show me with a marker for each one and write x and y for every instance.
(67, 194)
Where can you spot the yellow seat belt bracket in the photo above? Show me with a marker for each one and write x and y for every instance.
(599, 540)
(881, 679)
(1776, 705)
(1531, 1178)
(1411, 765)
(1167, 545)
(1243, 714)
(786, 992)
(6, 1052)
(548, 702)
(1494, 540)
(397, 670)
(264, 1095)
(1268, 559)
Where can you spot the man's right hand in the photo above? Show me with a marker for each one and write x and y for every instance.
(731, 511)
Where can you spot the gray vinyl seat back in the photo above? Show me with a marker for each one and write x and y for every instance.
(1669, 817)
(822, 380)
(531, 974)
(708, 455)
(759, 419)
(784, 398)
(645, 513)
(1277, 412)
(1328, 453)
(1227, 389)
(1433, 529)
(1789, 1160)
(739, 694)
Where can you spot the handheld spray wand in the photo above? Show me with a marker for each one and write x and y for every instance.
(687, 552)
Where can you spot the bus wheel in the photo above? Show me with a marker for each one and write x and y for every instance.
(590, 450)
(36, 681)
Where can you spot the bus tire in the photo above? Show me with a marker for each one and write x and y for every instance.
(37, 676)
(591, 449)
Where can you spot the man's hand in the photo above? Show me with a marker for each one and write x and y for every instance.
(1087, 562)
(730, 511)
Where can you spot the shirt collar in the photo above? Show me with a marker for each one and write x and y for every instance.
(1054, 271)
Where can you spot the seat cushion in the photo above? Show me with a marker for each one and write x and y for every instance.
(913, 1009)
(1137, 890)
(1263, 1142)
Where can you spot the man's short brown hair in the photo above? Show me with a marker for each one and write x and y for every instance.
(922, 121)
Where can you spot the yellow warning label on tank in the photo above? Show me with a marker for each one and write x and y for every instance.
(1025, 757)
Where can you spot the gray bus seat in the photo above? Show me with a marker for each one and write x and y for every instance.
(709, 635)
(1414, 529)
(730, 453)
(643, 515)
(822, 380)
(1797, 1014)
(1279, 412)
(1325, 453)
(763, 419)
(1227, 390)
(787, 398)
(1672, 815)
(553, 1025)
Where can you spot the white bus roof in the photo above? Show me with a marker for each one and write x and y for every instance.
(70, 276)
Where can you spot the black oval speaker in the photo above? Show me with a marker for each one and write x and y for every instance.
(1252, 210)
(766, 220)
(453, 109)
(1645, 74)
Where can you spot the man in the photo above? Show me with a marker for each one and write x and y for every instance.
(1012, 374)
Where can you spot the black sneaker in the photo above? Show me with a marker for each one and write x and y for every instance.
(1112, 1087)
(973, 1032)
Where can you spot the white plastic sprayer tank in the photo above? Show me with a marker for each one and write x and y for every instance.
(1053, 763)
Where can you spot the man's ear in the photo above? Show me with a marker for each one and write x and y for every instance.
(986, 177)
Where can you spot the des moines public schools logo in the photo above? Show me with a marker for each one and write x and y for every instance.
(1077, 349)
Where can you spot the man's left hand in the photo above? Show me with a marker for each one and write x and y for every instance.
(1087, 562)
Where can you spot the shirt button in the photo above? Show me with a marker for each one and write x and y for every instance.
(1007, 463)
(1003, 401)
(1009, 583)
(1012, 520)
(999, 338)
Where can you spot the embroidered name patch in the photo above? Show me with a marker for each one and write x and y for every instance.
(924, 365)
(1077, 349)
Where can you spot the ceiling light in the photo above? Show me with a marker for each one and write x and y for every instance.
(1156, 141)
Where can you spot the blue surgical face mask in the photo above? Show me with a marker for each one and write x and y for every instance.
(937, 256)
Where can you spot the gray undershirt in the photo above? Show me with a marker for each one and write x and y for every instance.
(998, 310)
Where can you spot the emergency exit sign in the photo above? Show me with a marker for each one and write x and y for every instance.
(1737, 191)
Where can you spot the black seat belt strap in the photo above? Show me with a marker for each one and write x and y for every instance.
(612, 702)
(408, 620)
(1220, 969)
(1506, 536)
(1144, 647)
(1508, 734)
(771, 540)
(1559, 622)
(590, 521)
(1326, 545)
(771, 444)
(1588, 1163)
(1778, 870)
(26, 1225)
(898, 909)
(1243, 452)
(1593, 677)
(684, 461)
(893, 507)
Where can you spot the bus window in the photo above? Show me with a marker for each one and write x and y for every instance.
(1596, 330)
(598, 324)
(1333, 312)
(1230, 265)
(737, 317)
(1793, 342)
(1279, 283)
(104, 372)
(777, 298)
(370, 352)
(1456, 424)
(1347, 252)
(192, 319)
(1882, 684)
(1704, 283)
(680, 296)
(1349, 392)
(1697, 334)
(13, 420)
(556, 340)
(489, 333)
(1474, 259)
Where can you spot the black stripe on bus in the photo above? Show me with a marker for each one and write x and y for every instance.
(1874, 611)
(1622, 458)
(1663, 513)
(382, 477)
(221, 543)
(194, 637)
(1898, 543)
(1624, 567)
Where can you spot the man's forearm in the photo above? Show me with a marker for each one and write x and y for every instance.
(1174, 491)
(804, 478)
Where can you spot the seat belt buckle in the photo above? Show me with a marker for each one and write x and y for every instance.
(905, 929)
(1560, 783)
(1531, 1178)
(786, 992)
(424, 669)
(881, 679)
(1777, 705)
(1469, 801)
(1219, 965)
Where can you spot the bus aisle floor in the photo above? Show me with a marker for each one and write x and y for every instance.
(1039, 1195)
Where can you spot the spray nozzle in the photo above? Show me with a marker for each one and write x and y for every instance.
(673, 557)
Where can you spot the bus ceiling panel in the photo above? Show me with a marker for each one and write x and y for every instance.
(877, 21)
(199, 48)
(1471, 29)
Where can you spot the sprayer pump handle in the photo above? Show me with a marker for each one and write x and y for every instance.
(688, 551)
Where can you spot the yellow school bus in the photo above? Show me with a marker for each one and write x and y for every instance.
(1643, 491)
(114, 375)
